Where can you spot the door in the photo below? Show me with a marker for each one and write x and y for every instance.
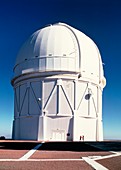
(58, 135)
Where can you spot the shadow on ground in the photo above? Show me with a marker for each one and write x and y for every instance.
(17, 145)
(63, 146)
(68, 146)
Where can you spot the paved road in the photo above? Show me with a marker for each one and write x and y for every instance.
(21, 155)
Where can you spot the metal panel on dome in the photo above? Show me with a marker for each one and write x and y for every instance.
(60, 47)
(56, 49)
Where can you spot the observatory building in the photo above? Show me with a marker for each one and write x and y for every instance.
(58, 83)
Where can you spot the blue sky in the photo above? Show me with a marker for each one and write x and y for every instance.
(100, 20)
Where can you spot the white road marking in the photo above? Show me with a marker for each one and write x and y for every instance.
(94, 157)
(94, 164)
(109, 156)
(28, 154)
(119, 152)
(43, 160)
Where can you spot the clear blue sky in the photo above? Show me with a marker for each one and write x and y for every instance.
(99, 19)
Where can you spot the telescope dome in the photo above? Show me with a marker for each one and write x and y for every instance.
(59, 48)
(58, 83)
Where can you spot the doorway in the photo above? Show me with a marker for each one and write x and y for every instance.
(58, 135)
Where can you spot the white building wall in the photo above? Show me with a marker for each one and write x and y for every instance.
(29, 128)
(15, 132)
(67, 105)
(59, 128)
(26, 128)
(41, 128)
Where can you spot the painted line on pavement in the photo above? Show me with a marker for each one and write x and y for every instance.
(119, 152)
(115, 154)
(42, 160)
(94, 164)
(31, 152)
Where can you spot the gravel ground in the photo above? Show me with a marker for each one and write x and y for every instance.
(65, 154)
(58, 165)
(111, 163)
(12, 154)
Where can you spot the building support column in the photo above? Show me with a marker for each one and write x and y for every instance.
(99, 124)
(99, 136)
(44, 128)
(75, 126)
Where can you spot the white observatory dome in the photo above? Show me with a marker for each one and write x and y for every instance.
(58, 84)
(59, 48)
